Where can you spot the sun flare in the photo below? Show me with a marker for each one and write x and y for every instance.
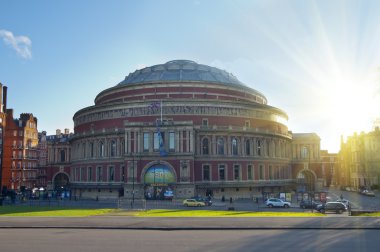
(350, 102)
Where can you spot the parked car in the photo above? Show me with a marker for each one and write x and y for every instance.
(368, 193)
(273, 202)
(168, 195)
(337, 207)
(344, 201)
(193, 202)
(206, 200)
(309, 204)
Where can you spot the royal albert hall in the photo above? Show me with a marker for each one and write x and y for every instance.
(180, 129)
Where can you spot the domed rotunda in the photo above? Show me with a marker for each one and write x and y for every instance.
(177, 130)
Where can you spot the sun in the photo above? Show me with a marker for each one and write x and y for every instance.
(350, 102)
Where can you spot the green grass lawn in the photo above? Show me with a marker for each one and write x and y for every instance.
(31, 211)
(211, 213)
(38, 211)
(50, 211)
(377, 214)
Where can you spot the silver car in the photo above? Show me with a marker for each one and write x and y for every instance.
(273, 202)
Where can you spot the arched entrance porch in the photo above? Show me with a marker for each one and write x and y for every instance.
(61, 185)
(159, 181)
(306, 180)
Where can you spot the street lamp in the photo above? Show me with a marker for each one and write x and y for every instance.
(1, 160)
(133, 180)
(311, 180)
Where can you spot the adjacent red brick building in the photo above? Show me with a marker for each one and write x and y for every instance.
(19, 148)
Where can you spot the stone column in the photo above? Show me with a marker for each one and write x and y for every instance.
(228, 145)
(177, 145)
(191, 140)
(127, 141)
(242, 144)
(139, 140)
(213, 145)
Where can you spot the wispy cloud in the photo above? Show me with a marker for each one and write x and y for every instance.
(21, 44)
(140, 66)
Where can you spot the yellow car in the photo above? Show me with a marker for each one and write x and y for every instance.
(193, 202)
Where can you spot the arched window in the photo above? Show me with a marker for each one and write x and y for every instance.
(247, 147)
(220, 146)
(122, 151)
(83, 150)
(258, 147)
(77, 151)
(113, 148)
(205, 147)
(92, 149)
(101, 149)
(234, 146)
(274, 149)
(305, 152)
(62, 156)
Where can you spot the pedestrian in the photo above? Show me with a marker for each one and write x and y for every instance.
(230, 200)
(341, 196)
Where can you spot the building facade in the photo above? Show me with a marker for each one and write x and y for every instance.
(360, 160)
(306, 162)
(20, 158)
(56, 173)
(18, 148)
(181, 129)
(4, 174)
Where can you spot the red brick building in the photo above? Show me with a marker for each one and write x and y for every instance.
(58, 162)
(19, 148)
(181, 129)
(4, 175)
(20, 151)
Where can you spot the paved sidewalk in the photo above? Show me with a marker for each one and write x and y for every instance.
(158, 223)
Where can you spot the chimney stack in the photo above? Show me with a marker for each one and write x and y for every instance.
(1, 97)
(5, 88)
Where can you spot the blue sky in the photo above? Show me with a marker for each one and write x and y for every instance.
(317, 60)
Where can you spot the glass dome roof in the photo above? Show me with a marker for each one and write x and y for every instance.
(181, 70)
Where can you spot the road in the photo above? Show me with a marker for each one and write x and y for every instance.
(93, 240)
(358, 202)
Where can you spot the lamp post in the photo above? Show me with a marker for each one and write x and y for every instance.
(133, 183)
(1, 161)
(311, 181)
(133, 180)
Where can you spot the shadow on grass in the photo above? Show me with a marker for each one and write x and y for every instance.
(27, 209)
(49, 211)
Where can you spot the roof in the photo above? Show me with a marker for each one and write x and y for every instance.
(181, 70)
(306, 136)
(59, 138)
